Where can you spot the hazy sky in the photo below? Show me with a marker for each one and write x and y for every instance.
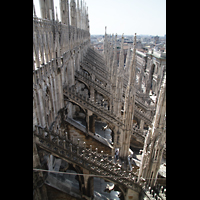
(123, 16)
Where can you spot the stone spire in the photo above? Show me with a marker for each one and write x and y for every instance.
(44, 9)
(120, 78)
(47, 9)
(130, 90)
(121, 55)
(128, 61)
(105, 45)
(155, 141)
(111, 53)
(131, 80)
(64, 11)
(78, 14)
(73, 13)
(51, 9)
(56, 15)
(87, 18)
(34, 13)
(81, 15)
(114, 74)
(129, 106)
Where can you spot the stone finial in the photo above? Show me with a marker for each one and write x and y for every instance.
(77, 4)
(57, 140)
(34, 10)
(56, 14)
(134, 40)
(84, 145)
(77, 151)
(70, 147)
(64, 144)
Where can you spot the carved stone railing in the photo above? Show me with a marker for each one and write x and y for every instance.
(92, 62)
(97, 56)
(143, 103)
(95, 162)
(104, 112)
(143, 115)
(95, 107)
(159, 193)
(140, 135)
(99, 87)
(140, 101)
(99, 64)
(104, 90)
(93, 70)
(96, 68)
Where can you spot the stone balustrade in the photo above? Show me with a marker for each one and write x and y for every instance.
(143, 115)
(97, 56)
(96, 163)
(101, 67)
(94, 70)
(106, 91)
(139, 134)
(95, 107)
(140, 101)
(99, 87)
(157, 193)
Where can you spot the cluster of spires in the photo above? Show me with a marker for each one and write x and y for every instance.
(110, 54)
(74, 15)
(117, 70)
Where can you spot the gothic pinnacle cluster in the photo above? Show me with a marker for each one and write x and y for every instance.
(155, 140)
(71, 14)
(117, 72)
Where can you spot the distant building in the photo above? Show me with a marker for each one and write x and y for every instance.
(156, 39)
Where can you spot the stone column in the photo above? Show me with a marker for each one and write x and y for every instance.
(92, 123)
(87, 121)
(141, 125)
(140, 80)
(88, 184)
(50, 163)
(92, 93)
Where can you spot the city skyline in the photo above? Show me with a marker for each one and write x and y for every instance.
(128, 16)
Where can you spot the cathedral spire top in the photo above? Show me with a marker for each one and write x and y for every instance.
(133, 64)
(34, 13)
(121, 57)
(56, 14)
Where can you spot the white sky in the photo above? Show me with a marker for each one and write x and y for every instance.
(123, 16)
